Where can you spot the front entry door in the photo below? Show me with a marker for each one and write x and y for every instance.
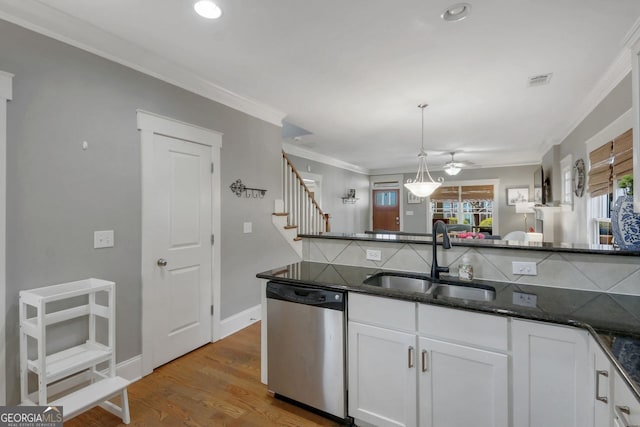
(182, 245)
(386, 210)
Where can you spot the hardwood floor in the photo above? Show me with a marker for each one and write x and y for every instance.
(215, 385)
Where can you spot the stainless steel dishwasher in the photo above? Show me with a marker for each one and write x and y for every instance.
(306, 346)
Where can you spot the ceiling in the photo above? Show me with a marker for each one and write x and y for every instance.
(352, 73)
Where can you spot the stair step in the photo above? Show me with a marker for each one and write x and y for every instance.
(281, 213)
(289, 227)
(297, 239)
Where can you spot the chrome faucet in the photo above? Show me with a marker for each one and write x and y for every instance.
(446, 244)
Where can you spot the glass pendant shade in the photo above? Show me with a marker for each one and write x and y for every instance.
(452, 169)
(421, 186)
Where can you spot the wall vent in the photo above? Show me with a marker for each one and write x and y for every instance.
(539, 80)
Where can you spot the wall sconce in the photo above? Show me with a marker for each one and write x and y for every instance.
(350, 197)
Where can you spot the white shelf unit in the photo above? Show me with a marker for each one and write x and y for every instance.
(35, 317)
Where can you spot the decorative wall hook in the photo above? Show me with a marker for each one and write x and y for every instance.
(238, 188)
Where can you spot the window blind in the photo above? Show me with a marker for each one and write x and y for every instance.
(444, 193)
(623, 155)
(477, 192)
(600, 173)
(468, 192)
(610, 161)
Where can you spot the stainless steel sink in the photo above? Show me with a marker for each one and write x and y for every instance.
(463, 292)
(410, 283)
(400, 282)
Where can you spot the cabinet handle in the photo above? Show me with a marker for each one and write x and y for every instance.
(425, 361)
(620, 413)
(410, 356)
(598, 397)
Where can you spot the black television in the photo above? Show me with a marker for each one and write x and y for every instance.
(539, 187)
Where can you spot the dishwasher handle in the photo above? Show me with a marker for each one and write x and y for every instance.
(322, 298)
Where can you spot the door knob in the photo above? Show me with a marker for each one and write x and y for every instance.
(162, 262)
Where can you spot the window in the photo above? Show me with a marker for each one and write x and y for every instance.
(387, 198)
(607, 164)
(470, 205)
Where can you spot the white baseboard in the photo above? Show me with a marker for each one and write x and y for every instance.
(239, 321)
(130, 369)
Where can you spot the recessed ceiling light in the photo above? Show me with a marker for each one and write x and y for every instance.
(457, 12)
(207, 9)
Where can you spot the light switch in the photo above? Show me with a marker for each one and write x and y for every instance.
(103, 239)
(524, 268)
(247, 227)
(374, 255)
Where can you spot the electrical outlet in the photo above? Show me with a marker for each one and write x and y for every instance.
(103, 239)
(247, 227)
(524, 268)
(525, 300)
(374, 255)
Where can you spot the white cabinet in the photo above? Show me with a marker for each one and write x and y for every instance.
(625, 407)
(460, 384)
(441, 378)
(382, 375)
(615, 405)
(43, 308)
(551, 385)
(382, 361)
(602, 387)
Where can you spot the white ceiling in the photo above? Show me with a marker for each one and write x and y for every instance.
(353, 72)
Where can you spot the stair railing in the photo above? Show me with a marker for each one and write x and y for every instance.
(299, 202)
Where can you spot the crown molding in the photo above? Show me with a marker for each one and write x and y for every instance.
(6, 86)
(633, 36)
(617, 71)
(412, 169)
(46, 20)
(322, 158)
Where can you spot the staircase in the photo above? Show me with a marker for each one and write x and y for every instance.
(297, 212)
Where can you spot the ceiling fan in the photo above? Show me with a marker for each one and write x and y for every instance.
(452, 167)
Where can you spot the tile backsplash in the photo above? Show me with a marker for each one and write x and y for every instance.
(605, 273)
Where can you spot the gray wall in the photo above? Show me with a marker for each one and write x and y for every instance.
(58, 194)
(516, 176)
(344, 218)
(616, 103)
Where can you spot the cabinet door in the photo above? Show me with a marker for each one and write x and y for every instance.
(550, 376)
(602, 386)
(382, 376)
(462, 386)
(625, 407)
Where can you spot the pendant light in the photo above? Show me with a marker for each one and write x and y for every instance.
(207, 9)
(421, 187)
(452, 168)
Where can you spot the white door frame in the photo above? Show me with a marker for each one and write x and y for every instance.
(6, 94)
(149, 125)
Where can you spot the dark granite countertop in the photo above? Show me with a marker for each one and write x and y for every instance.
(609, 317)
(484, 243)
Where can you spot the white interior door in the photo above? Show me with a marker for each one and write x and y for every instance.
(181, 218)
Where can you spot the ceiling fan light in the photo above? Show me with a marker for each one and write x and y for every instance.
(452, 169)
(207, 9)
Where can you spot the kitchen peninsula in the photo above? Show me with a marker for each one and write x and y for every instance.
(572, 322)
